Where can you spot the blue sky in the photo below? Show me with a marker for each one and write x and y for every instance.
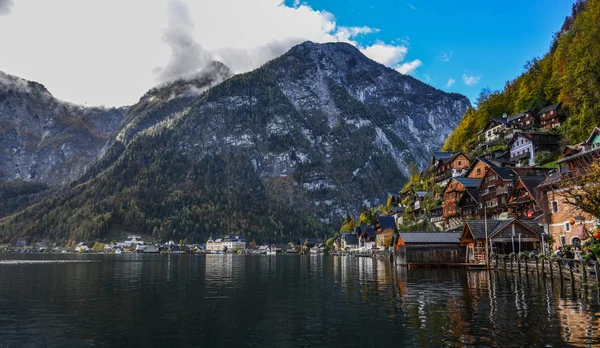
(491, 40)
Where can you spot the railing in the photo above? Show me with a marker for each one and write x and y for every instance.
(445, 175)
(503, 190)
(554, 267)
(521, 156)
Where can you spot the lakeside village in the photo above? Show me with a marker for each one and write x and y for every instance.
(518, 190)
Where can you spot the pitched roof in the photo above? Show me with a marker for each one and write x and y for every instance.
(430, 237)
(386, 222)
(468, 182)
(350, 238)
(500, 119)
(494, 227)
(503, 172)
(474, 193)
(518, 116)
(548, 108)
(591, 137)
(439, 155)
(421, 193)
(531, 182)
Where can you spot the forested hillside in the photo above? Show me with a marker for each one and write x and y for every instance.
(569, 73)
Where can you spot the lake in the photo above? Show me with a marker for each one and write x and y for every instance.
(70, 300)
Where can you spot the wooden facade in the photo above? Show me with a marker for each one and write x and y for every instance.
(429, 248)
(525, 120)
(504, 237)
(550, 116)
(494, 190)
(452, 194)
(522, 203)
(454, 166)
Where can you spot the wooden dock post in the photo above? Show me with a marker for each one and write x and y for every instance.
(571, 270)
(584, 269)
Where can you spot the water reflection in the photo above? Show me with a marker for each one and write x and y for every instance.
(283, 300)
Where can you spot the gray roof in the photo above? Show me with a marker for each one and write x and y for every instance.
(503, 172)
(531, 182)
(421, 193)
(468, 182)
(386, 222)
(477, 227)
(548, 108)
(439, 155)
(430, 237)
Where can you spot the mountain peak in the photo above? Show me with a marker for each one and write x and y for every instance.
(11, 83)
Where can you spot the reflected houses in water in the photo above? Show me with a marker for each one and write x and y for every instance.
(576, 319)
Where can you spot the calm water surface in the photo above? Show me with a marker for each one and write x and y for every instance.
(281, 301)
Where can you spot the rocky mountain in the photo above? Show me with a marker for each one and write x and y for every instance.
(278, 152)
(45, 139)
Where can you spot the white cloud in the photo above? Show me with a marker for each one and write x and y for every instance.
(450, 83)
(470, 80)
(389, 55)
(409, 67)
(446, 56)
(93, 52)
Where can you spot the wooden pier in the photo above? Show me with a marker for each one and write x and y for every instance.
(586, 272)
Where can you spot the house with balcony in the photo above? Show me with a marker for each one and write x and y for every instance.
(495, 128)
(524, 145)
(494, 190)
(468, 205)
(524, 120)
(551, 116)
(522, 203)
(581, 155)
(451, 167)
(452, 194)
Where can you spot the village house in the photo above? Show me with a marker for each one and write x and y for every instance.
(494, 129)
(452, 193)
(429, 248)
(581, 155)
(468, 205)
(417, 205)
(522, 203)
(228, 243)
(524, 146)
(366, 237)
(550, 116)
(349, 241)
(308, 241)
(131, 241)
(451, 167)
(566, 223)
(494, 190)
(525, 120)
(504, 237)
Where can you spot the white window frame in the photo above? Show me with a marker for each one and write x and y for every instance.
(567, 226)
(554, 211)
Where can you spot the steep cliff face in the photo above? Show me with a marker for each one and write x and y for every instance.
(278, 152)
(42, 138)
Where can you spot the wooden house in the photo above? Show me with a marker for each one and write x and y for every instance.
(451, 167)
(550, 116)
(504, 237)
(349, 241)
(366, 237)
(525, 120)
(524, 145)
(522, 203)
(429, 248)
(494, 190)
(452, 193)
(494, 129)
(468, 205)
(581, 155)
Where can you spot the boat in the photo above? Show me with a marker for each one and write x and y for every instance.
(271, 252)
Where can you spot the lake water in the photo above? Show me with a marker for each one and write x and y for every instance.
(281, 301)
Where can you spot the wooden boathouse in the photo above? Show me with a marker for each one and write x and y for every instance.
(426, 249)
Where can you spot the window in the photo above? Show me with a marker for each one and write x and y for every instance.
(563, 240)
(554, 207)
(567, 226)
(552, 112)
(478, 170)
(528, 122)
